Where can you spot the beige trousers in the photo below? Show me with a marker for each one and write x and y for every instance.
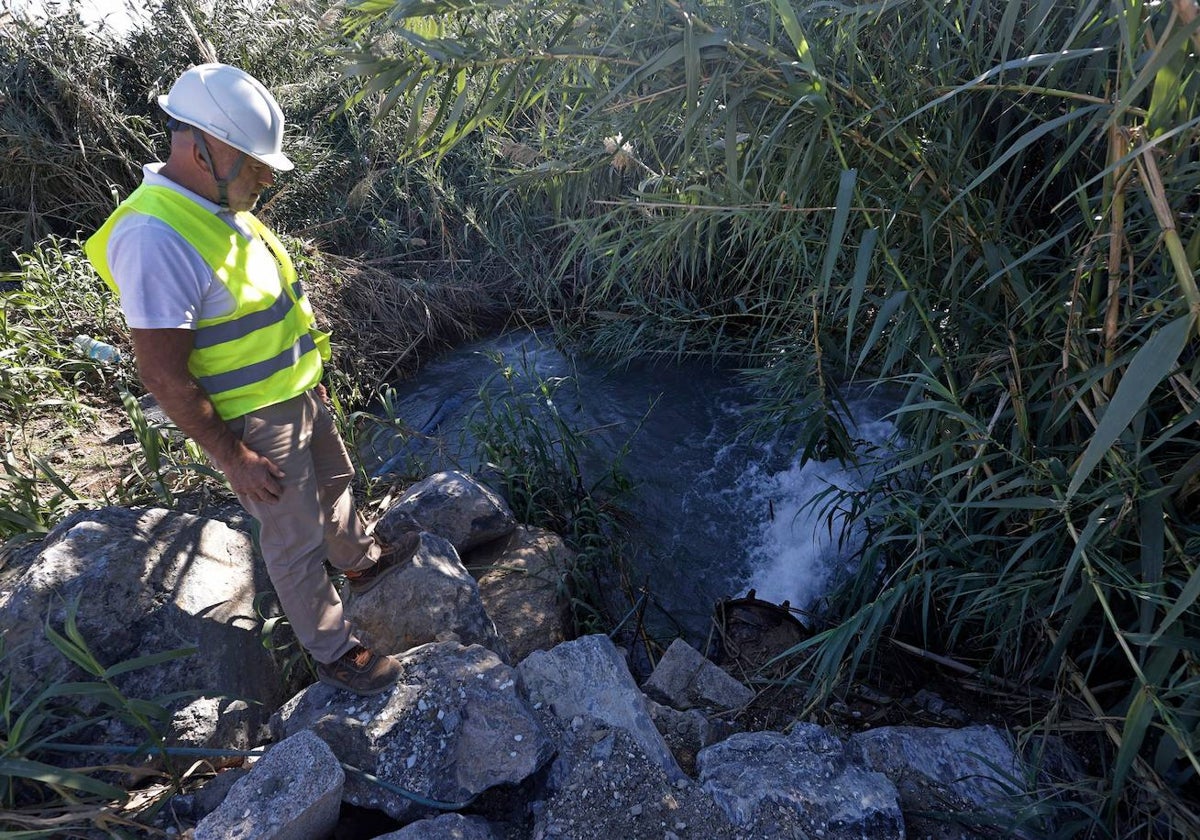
(313, 520)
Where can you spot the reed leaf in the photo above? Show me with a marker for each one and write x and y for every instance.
(1150, 365)
(19, 768)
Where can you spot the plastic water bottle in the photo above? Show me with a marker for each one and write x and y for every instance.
(94, 349)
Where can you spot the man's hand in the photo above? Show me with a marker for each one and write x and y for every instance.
(252, 475)
(162, 357)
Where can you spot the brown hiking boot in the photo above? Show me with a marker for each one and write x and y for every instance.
(360, 671)
(392, 557)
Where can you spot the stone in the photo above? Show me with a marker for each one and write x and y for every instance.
(972, 770)
(294, 792)
(806, 778)
(686, 733)
(933, 704)
(684, 679)
(588, 678)
(432, 597)
(522, 584)
(453, 727)
(622, 794)
(452, 505)
(445, 827)
(174, 580)
(208, 797)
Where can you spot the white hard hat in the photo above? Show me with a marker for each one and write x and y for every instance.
(232, 106)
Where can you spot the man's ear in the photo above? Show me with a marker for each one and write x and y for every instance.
(198, 158)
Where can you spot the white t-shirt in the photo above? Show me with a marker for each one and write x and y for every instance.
(164, 282)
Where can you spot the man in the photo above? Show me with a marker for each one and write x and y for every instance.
(225, 340)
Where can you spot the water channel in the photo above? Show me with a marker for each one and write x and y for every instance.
(717, 510)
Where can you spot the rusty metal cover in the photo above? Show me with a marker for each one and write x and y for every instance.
(750, 632)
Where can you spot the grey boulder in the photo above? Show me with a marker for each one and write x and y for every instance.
(588, 678)
(522, 583)
(685, 680)
(147, 582)
(453, 505)
(763, 780)
(445, 827)
(294, 792)
(974, 770)
(432, 597)
(450, 729)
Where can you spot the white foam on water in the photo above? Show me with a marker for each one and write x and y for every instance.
(795, 554)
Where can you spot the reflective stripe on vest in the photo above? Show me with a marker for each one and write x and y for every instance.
(258, 371)
(229, 330)
(267, 350)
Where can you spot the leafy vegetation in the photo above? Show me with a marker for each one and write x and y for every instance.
(546, 468)
(989, 207)
(393, 253)
(44, 382)
(42, 792)
(53, 393)
(388, 253)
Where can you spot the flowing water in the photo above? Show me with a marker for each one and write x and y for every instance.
(717, 511)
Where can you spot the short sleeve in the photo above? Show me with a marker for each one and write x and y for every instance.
(164, 282)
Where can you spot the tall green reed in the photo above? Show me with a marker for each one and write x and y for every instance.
(988, 206)
(554, 477)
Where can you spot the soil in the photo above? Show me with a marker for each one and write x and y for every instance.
(94, 452)
(90, 453)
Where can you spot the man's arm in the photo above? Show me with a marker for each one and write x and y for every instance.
(162, 356)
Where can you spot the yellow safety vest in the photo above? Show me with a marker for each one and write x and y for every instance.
(268, 349)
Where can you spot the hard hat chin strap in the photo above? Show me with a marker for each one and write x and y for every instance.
(222, 183)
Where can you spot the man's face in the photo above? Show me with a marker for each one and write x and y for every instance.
(254, 177)
(244, 191)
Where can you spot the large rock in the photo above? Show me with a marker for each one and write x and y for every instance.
(604, 786)
(588, 678)
(445, 827)
(685, 680)
(146, 582)
(522, 582)
(453, 727)
(450, 504)
(973, 770)
(763, 780)
(432, 597)
(294, 792)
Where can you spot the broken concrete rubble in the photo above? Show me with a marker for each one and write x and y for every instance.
(684, 679)
(452, 728)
